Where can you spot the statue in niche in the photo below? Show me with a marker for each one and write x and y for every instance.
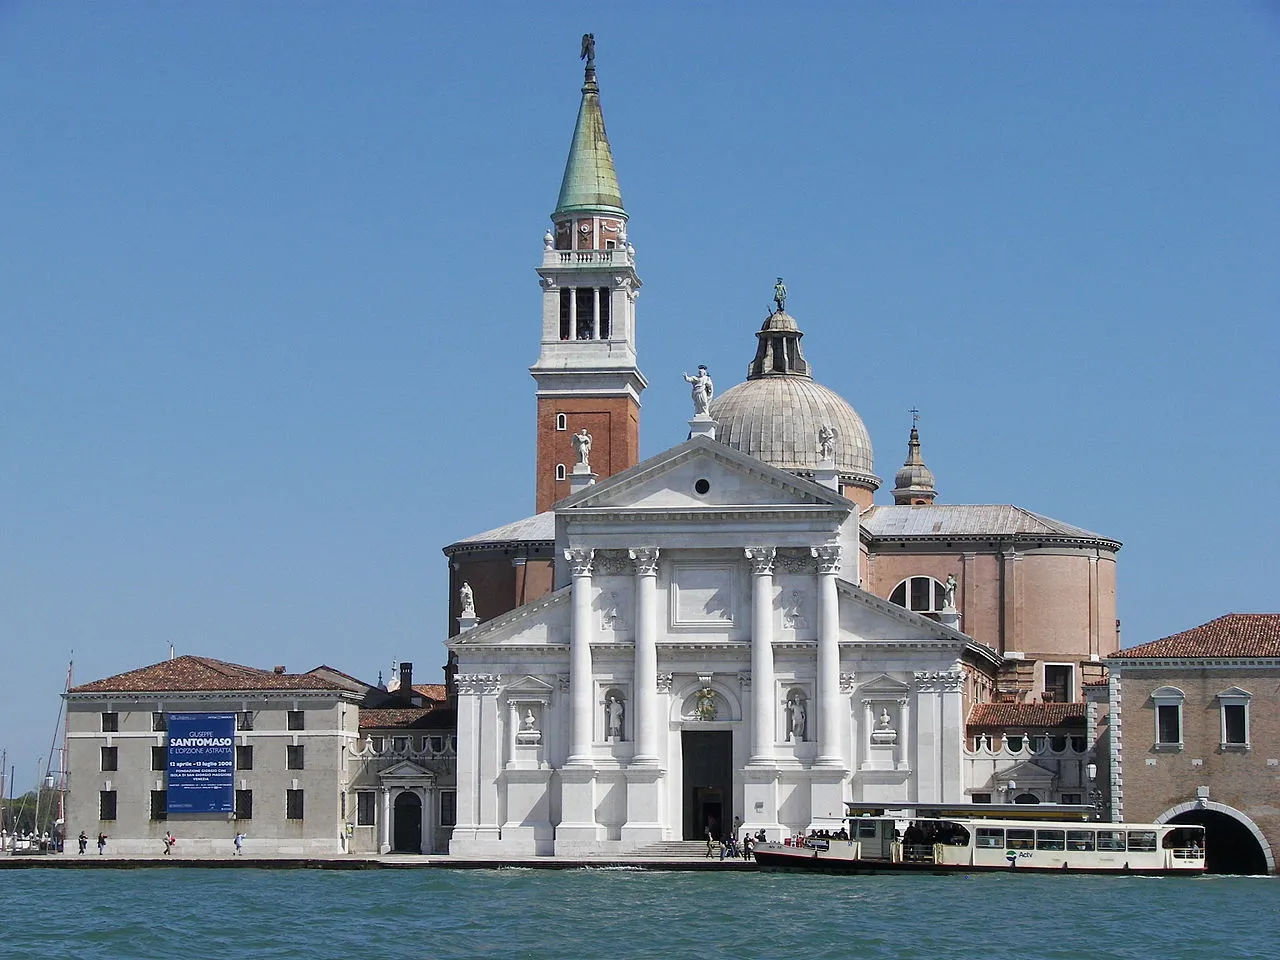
(468, 600)
(582, 445)
(706, 704)
(794, 618)
(884, 733)
(826, 443)
(949, 592)
(614, 716)
(798, 719)
(703, 390)
(780, 295)
(528, 732)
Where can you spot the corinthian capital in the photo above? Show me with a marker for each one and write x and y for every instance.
(761, 558)
(828, 557)
(646, 561)
(579, 560)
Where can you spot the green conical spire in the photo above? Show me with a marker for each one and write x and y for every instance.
(590, 183)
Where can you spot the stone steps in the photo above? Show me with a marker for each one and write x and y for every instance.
(675, 850)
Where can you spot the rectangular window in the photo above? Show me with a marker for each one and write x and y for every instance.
(293, 757)
(1110, 841)
(296, 720)
(1021, 840)
(586, 311)
(244, 758)
(565, 333)
(293, 804)
(1169, 723)
(159, 804)
(991, 838)
(1080, 840)
(1142, 841)
(867, 830)
(244, 720)
(244, 805)
(448, 808)
(604, 312)
(106, 804)
(982, 798)
(365, 800)
(111, 723)
(159, 722)
(399, 744)
(1050, 840)
(377, 743)
(159, 758)
(110, 758)
(1233, 725)
(437, 744)
(1073, 798)
(1059, 682)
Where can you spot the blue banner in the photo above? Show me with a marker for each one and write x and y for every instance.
(202, 763)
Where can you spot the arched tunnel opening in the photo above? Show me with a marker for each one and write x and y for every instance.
(1229, 845)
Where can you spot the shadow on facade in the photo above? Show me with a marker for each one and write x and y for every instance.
(1230, 847)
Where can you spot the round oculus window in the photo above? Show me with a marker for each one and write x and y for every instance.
(701, 487)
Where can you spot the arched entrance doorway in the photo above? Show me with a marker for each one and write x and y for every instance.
(408, 821)
(1229, 845)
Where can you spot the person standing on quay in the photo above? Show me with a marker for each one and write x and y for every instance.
(239, 841)
(169, 840)
(83, 840)
(102, 843)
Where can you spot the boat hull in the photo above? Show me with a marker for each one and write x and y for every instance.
(805, 860)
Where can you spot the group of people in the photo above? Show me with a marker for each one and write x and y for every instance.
(83, 841)
(169, 840)
(730, 847)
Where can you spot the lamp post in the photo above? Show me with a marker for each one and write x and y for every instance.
(1095, 795)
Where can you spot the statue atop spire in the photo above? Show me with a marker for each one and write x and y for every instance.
(780, 295)
(589, 54)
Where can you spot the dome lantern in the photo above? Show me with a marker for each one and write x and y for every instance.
(914, 484)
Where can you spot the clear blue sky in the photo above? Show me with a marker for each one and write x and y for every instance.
(268, 301)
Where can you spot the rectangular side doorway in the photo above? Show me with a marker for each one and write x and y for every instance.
(707, 784)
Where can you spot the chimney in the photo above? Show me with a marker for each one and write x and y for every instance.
(406, 679)
(278, 669)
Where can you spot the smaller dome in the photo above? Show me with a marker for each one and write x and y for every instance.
(914, 482)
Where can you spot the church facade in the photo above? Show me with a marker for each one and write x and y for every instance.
(734, 630)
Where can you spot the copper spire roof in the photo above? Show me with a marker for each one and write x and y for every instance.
(590, 183)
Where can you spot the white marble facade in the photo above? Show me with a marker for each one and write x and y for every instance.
(707, 627)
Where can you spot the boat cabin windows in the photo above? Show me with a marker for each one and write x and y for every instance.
(1143, 841)
(866, 829)
(1111, 840)
(1019, 839)
(1050, 840)
(991, 838)
(1080, 840)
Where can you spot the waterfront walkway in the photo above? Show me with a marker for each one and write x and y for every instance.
(670, 856)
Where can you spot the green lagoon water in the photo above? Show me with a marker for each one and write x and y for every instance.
(609, 914)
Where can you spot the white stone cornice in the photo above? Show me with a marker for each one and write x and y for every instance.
(938, 681)
(478, 683)
(1184, 663)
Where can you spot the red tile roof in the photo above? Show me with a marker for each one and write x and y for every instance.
(1026, 715)
(406, 718)
(1233, 635)
(202, 673)
(432, 691)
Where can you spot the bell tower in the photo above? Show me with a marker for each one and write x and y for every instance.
(586, 373)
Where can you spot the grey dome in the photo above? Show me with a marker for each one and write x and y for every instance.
(777, 418)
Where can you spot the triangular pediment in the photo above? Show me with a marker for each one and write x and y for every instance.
(883, 685)
(542, 622)
(702, 474)
(1027, 774)
(406, 771)
(528, 686)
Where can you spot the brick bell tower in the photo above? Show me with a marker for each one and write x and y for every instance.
(586, 372)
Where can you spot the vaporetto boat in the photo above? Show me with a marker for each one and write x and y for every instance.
(967, 838)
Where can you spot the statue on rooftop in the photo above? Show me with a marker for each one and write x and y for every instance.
(703, 390)
(826, 442)
(468, 600)
(780, 295)
(949, 592)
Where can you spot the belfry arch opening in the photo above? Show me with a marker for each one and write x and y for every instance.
(1230, 846)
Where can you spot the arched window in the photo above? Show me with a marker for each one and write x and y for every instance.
(562, 421)
(923, 595)
(559, 471)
